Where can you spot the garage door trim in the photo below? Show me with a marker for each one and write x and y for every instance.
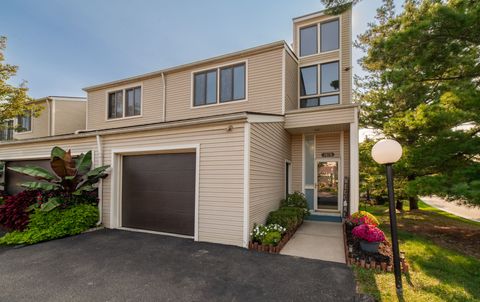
(116, 180)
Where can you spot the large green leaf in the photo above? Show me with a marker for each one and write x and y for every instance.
(84, 163)
(57, 152)
(51, 204)
(37, 172)
(85, 187)
(35, 185)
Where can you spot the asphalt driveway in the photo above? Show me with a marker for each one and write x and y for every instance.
(111, 265)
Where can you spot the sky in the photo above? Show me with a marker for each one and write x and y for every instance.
(62, 46)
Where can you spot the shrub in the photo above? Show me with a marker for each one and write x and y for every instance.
(13, 210)
(264, 234)
(368, 233)
(56, 223)
(287, 217)
(363, 217)
(272, 238)
(296, 200)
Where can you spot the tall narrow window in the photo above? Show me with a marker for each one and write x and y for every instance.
(329, 35)
(308, 40)
(330, 77)
(232, 83)
(6, 134)
(115, 104)
(133, 101)
(205, 88)
(24, 122)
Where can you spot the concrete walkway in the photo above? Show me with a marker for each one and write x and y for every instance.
(452, 207)
(317, 240)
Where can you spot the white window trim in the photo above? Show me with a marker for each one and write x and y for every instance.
(318, 23)
(123, 89)
(289, 162)
(319, 83)
(217, 68)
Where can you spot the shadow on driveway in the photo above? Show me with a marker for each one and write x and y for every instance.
(113, 265)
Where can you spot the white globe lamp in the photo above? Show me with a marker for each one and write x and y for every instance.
(386, 151)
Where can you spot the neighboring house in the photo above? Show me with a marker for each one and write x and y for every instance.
(59, 115)
(205, 150)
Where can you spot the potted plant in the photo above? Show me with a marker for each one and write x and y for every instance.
(370, 237)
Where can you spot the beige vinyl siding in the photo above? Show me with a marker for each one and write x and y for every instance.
(264, 93)
(346, 153)
(319, 116)
(152, 105)
(346, 57)
(39, 125)
(297, 150)
(221, 174)
(69, 116)
(291, 82)
(269, 149)
(326, 143)
(264, 89)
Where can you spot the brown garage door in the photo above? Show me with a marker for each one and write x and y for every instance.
(158, 192)
(13, 180)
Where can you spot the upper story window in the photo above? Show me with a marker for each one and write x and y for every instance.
(219, 85)
(125, 103)
(308, 40)
(319, 85)
(321, 37)
(24, 122)
(6, 133)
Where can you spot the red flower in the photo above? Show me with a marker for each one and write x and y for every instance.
(368, 233)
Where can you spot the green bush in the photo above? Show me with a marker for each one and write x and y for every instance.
(57, 223)
(296, 200)
(288, 217)
(272, 238)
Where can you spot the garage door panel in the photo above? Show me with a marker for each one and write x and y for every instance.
(158, 192)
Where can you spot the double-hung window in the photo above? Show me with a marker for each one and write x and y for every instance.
(319, 85)
(320, 37)
(220, 85)
(24, 122)
(125, 103)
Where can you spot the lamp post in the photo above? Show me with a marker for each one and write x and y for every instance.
(387, 152)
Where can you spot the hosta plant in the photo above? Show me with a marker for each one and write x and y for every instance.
(369, 233)
(71, 177)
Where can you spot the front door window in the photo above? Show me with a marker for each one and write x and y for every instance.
(327, 185)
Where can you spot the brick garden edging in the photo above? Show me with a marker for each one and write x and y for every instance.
(255, 246)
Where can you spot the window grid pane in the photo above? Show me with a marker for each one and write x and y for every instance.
(330, 77)
(329, 36)
(308, 80)
(226, 84)
(119, 104)
(137, 101)
(211, 87)
(308, 40)
(129, 110)
(199, 87)
(239, 82)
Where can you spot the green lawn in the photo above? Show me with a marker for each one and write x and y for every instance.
(443, 251)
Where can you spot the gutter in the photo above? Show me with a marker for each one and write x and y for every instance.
(100, 184)
(49, 116)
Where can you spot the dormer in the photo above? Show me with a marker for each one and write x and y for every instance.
(323, 44)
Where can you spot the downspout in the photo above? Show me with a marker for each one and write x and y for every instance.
(164, 98)
(49, 110)
(100, 185)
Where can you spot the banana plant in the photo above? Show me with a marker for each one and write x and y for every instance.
(71, 176)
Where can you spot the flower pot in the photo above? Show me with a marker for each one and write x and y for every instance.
(370, 247)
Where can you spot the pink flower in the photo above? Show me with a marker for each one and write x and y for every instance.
(368, 233)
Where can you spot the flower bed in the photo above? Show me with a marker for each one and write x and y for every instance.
(281, 225)
(380, 260)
